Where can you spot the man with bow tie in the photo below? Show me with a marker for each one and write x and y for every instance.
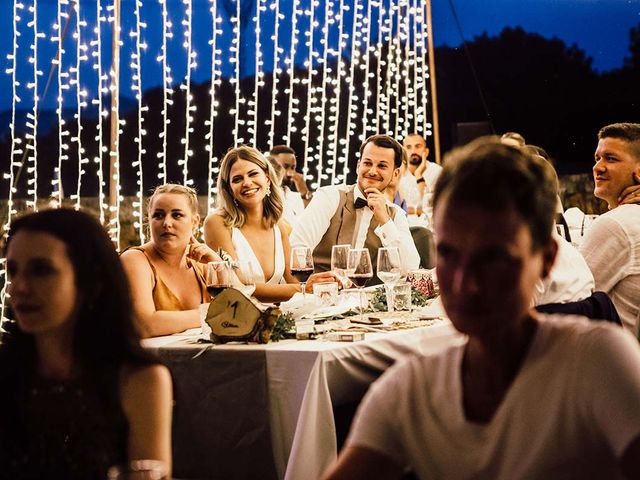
(360, 214)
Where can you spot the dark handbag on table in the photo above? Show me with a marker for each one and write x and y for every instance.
(233, 317)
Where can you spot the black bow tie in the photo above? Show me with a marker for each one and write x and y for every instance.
(361, 202)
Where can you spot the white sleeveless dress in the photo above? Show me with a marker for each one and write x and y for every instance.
(245, 252)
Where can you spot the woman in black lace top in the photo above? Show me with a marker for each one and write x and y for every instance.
(78, 392)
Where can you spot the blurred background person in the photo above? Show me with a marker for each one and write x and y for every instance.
(78, 392)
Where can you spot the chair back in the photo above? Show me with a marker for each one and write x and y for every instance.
(423, 239)
(596, 307)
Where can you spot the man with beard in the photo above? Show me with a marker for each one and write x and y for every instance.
(296, 192)
(336, 215)
(423, 171)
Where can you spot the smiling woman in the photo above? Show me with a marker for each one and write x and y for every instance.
(247, 224)
(167, 273)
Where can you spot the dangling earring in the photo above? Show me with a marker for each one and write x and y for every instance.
(235, 201)
(268, 191)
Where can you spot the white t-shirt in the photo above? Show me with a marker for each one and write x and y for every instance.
(430, 176)
(569, 280)
(570, 413)
(611, 247)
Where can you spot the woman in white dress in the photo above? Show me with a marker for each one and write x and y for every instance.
(246, 224)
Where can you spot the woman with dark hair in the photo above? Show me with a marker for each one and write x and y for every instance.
(248, 224)
(79, 392)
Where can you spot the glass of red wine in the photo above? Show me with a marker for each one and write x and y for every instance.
(218, 276)
(359, 270)
(301, 265)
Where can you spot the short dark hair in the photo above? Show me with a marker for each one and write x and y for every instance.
(278, 149)
(496, 177)
(104, 332)
(385, 141)
(629, 132)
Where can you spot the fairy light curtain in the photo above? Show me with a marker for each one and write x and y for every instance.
(196, 78)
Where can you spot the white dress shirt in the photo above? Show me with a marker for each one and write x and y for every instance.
(293, 206)
(315, 220)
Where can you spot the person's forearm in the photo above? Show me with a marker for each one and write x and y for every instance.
(276, 293)
(166, 322)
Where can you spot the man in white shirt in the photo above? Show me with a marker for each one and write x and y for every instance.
(359, 214)
(425, 172)
(296, 200)
(522, 395)
(611, 245)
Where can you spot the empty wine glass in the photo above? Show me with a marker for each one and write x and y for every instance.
(359, 270)
(247, 276)
(301, 265)
(389, 270)
(339, 258)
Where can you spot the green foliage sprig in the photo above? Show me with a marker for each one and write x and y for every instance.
(378, 302)
(284, 324)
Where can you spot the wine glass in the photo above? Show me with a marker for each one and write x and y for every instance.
(301, 265)
(218, 276)
(359, 270)
(389, 270)
(247, 277)
(339, 257)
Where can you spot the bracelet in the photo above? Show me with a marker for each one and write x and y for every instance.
(307, 196)
(420, 180)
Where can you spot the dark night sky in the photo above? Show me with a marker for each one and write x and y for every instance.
(600, 27)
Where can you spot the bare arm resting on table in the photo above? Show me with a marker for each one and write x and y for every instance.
(152, 322)
(360, 463)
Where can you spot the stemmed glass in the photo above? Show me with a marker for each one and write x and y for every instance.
(218, 277)
(247, 277)
(359, 270)
(301, 266)
(389, 270)
(339, 258)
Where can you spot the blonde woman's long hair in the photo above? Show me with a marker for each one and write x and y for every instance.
(233, 214)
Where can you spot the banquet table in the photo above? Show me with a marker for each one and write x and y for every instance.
(267, 411)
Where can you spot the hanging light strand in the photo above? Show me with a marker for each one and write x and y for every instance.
(235, 48)
(97, 43)
(215, 81)
(291, 109)
(425, 67)
(366, 111)
(389, 62)
(335, 107)
(306, 133)
(187, 44)
(356, 27)
(276, 70)
(397, 104)
(77, 35)
(379, 67)
(259, 75)
(329, 20)
(62, 133)
(136, 87)
(167, 90)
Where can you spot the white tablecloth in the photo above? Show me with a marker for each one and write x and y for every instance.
(306, 379)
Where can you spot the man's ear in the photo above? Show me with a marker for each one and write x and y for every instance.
(549, 253)
(426, 152)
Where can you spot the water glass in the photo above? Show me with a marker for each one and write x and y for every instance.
(401, 297)
(339, 257)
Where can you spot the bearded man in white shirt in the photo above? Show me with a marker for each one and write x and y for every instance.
(296, 191)
(423, 171)
(611, 246)
(360, 214)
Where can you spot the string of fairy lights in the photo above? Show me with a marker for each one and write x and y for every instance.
(319, 75)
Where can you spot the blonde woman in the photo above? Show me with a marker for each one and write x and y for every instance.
(167, 273)
(247, 224)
